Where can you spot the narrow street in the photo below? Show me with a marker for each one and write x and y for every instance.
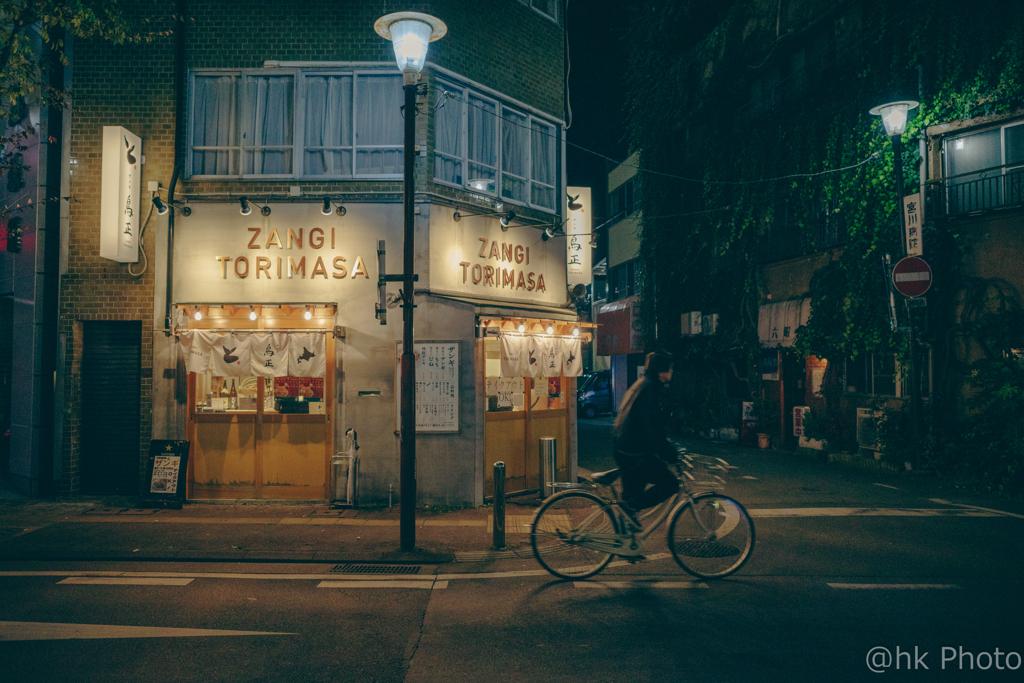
(850, 571)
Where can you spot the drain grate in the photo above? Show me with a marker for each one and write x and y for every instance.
(706, 549)
(375, 569)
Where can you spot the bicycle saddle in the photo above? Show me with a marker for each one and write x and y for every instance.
(605, 478)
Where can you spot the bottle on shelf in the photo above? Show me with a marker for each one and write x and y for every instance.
(233, 397)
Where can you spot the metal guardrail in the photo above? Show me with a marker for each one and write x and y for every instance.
(994, 188)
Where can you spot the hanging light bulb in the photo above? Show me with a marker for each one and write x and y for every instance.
(522, 328)
(575, 331)
(252, 313)
(308, 314)
(551, 329)
(198, 315)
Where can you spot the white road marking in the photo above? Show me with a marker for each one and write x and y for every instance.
(974, 507)
(30, 630)
(639, 584)
(886, 486)
(428, 584)
(895, 586)
(125, 581)
(870, 512)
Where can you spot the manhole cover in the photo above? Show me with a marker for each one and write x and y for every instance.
(375, 569)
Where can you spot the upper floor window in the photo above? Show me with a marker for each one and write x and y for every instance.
(624, 199)
(985, 170)
(482, 144)
(548, 8)
(286, 123)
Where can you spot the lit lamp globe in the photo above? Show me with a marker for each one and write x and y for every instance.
(894, 116)
(410, 34)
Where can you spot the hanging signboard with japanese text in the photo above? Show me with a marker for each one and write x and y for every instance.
(913, 215)
(120, 195)
(437, 386)
(578, 234)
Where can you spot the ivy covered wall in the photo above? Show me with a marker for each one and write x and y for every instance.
(752, 126)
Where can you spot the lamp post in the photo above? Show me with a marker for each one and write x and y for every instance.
(410, 34)
(894, 119)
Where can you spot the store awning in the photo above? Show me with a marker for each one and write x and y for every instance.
(777, 322)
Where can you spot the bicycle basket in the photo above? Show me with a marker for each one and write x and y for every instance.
(704, 472)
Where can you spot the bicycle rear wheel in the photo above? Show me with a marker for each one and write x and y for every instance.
(569, 532)
(717, 546)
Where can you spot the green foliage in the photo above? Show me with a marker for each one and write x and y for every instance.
(711, 125)
(33, 39)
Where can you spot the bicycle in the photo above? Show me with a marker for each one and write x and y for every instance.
(576, 533)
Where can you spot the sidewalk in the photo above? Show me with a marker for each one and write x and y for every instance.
(85, 530)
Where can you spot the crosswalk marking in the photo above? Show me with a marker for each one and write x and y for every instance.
(125, 581)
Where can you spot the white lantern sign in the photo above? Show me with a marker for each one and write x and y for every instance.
(121, 195)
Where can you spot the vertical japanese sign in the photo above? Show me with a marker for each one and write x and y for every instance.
(913, 216)
(577, 243)
(120, 196)
(437, 386)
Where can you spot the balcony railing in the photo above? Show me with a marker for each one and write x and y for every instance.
(993, 188)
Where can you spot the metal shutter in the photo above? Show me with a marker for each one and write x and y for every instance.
(110, 448)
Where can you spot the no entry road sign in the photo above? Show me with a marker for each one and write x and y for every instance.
(912, 276)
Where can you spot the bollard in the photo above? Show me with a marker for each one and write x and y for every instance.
(548, 451)
(499, 505)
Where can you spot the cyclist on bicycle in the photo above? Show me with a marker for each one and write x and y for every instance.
(642, 449)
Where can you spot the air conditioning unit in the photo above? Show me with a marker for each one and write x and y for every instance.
(867, 429)
(691, 323)
(709, 324)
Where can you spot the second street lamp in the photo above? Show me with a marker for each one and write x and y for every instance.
(894, 119)
(410, 33)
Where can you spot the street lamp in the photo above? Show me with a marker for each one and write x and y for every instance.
(410, 33)
(894, 119)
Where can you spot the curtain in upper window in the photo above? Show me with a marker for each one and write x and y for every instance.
(379, 132)
(448, 136)
(542, 156)
(515, 155)
(267, 141)
(214, 133)
(328, 126)
(483, 135)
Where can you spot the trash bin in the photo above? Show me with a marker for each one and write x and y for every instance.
(548, 465)
(344, 472)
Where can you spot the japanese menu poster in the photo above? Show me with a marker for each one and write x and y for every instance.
(437, 386)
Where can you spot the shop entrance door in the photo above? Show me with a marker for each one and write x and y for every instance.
(271, 437)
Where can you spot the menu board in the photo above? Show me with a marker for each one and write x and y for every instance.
(437, 386)
(167, 465)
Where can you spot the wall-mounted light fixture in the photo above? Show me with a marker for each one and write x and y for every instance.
(548, 233)
(328, 208)
(244, 203)
(163, 206)
(509, 216)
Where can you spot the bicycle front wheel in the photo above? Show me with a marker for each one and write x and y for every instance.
(573, 534)
(711, 536)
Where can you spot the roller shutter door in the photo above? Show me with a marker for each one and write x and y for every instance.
(111, 392)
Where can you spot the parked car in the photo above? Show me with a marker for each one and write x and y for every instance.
(594, 395)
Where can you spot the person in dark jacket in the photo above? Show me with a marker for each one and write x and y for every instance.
(642, 448)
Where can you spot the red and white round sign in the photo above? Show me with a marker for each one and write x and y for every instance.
(912, 276)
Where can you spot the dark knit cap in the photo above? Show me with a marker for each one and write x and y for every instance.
(658, 361)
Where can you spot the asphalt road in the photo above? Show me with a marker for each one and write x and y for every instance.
(851, 574)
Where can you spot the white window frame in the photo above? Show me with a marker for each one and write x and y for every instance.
(527, 120)
(532, 5)
(238, 122)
